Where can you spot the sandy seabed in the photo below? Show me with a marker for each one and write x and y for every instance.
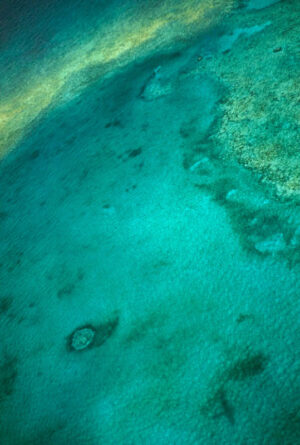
(150, 223)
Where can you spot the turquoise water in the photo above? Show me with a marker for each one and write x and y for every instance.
(149, 222)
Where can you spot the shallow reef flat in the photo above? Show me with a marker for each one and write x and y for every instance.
(48, 60)
(260, 126)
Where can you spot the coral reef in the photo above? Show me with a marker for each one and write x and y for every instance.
(261, 111)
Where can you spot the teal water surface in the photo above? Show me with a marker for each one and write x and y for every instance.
(149, 222)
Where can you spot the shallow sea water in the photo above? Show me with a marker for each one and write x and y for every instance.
(149, 222)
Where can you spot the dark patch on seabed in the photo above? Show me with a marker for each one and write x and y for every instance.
(248, 366)
(5, 304)
(8, 375)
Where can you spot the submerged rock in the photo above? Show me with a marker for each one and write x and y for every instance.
(90, 336)
(271, 245)
(82, 338)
